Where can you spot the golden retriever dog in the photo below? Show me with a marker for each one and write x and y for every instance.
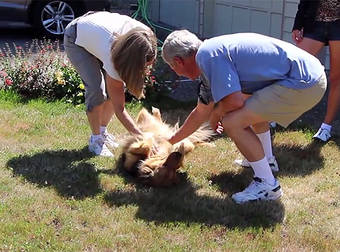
(151, 158)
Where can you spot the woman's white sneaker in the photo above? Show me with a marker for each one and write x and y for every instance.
(258, 190)
(323, 135)
(110, 140)
(99, 148)
(272, 163)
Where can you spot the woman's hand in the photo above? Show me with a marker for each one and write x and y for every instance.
(297, 36)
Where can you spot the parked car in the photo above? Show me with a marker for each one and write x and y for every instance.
(48, 16)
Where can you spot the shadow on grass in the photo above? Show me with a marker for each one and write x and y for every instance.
(335, 140)
(299, 160)
(309, 127)
(65, 170)
(186, 203)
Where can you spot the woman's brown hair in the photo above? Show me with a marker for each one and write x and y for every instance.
(130, 53)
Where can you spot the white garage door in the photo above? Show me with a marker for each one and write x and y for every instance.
(180, 13)
(261, 16)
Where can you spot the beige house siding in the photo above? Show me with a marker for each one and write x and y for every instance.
(209, 18)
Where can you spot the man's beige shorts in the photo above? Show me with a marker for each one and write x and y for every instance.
(284, 105)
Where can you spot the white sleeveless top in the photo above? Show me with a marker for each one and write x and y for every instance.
(95, 33)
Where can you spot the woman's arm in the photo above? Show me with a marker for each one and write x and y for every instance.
(306, 11)
(115, 90)
(300, 14)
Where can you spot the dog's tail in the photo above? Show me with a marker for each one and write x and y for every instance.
(202, 135)
(199, 137)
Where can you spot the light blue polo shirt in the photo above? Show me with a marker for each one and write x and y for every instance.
(248, 62)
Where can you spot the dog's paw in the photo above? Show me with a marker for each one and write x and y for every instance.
(145, 172)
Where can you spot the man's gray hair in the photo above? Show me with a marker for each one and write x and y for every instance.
(180, 43)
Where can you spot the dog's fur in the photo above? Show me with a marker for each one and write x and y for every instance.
(158, 168)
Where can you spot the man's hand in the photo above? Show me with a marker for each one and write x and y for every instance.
(215, 121)
(219, 128)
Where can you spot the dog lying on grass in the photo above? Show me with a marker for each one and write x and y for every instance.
(152, 158)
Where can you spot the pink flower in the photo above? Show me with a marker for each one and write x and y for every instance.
(8, 82)
(3, 74)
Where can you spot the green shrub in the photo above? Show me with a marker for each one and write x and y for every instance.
(40, 70)
(159, 82)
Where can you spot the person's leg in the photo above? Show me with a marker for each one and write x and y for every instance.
(310, 45)
(260, 128)
(334, 78)
(333, 102)
(276, 103)
(237, 127)
(263, 133)
(94, 95)
(106, 115)
(313, 47)
(94, 118)
(89, 69)
(96, 114)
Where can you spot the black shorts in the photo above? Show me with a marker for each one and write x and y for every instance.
(324, 31)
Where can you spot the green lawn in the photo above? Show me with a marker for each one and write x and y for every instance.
(55, 196)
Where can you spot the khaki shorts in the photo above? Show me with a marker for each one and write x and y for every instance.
(284, 105)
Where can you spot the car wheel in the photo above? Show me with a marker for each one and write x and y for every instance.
(52, 17)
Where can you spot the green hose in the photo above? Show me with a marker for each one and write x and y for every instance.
(142, 11)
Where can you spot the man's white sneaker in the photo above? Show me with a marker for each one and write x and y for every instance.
(323, 135)
(110, 140)
(99, 148)
(272, 163)
(258, 190)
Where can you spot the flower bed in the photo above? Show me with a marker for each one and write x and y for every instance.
(40, 70)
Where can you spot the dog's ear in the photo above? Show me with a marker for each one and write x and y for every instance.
(157, 114)
(142, 116)
(174, 160)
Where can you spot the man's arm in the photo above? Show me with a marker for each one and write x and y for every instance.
(199, 115)
(115, 90)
